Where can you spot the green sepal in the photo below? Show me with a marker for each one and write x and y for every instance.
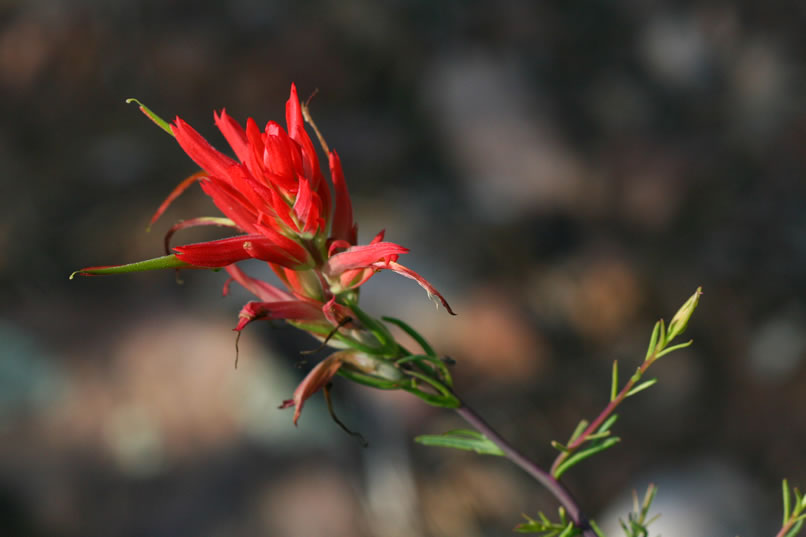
(461, 439)
(164, 262)
(164, 125)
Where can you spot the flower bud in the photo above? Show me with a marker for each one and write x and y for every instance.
(680, 320)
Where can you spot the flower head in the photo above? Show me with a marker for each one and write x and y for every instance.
(274, 195)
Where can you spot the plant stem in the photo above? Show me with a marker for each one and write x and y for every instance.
(608, 410)
(544, 478)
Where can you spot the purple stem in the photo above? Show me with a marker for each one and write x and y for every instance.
(544, 478)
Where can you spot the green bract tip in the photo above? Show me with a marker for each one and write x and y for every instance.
(164, 125)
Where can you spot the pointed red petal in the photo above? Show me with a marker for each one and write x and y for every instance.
(263, 290)
(175, 193)
(315, 381)
(278, 158)
(408, 273)
(196, 222)
(234, 134)
(223, 252)
(198, 149)
(343, 227)
(363, 256)
(310, 162)
(305, 207)
(254, 156)
(291, 309)
(231, 202)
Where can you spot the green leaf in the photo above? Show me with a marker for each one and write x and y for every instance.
(558, 446)
(414, 335)
(608, 423)
(786, 501)
(446, 397)
(653, 341)
(369, 380)
(152, 116)
(584, 454)
(614, 381)
(378, 329)
(580, 428)
(164, 262)
(461, 439)
(673, 348)
(641, 387)
(569, 530)
(795, 529)
(596, 528)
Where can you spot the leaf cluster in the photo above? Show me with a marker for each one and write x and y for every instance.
(794, 513)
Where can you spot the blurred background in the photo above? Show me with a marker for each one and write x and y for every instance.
(564, 172)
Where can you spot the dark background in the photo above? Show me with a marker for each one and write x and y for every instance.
(564, 172)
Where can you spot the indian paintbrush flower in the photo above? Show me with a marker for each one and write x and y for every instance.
(274, 195)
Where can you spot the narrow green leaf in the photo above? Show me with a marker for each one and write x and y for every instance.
(378, 329)
(528, 527)
(597, 436)
(578, 430)
(558, 446)
(584, 454)
(614, 381)
(649, 497)
(795, 529)
(461, 439)
(785, 486)
(653, 340)
(607, 424)
(595, 528)
(369, 380)
(673, 348)
(569, 530)
(414, 335)
(164, 262)
(662, 341)
(641, 387)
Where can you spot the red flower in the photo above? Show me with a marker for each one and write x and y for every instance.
(276, 196)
